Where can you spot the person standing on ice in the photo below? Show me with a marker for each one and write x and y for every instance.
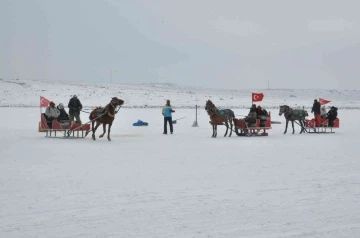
(74, 109)
(167, 113)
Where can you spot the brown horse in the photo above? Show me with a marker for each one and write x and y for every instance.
(219, 117)
(104, 116)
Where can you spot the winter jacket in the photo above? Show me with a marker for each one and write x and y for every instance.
(52, 112)
(63, 114)
(252, 114)
(332, 114)
(167, 111)
(74, 106)
(316, 108)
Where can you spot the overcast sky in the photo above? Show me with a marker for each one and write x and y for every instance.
(211, 43)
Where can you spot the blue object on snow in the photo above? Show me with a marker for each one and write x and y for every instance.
(140, 123)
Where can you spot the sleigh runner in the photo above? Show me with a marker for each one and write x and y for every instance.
(321, 125)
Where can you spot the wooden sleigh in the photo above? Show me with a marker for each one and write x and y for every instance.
(63, 128)
(260, 128)
(321, 125)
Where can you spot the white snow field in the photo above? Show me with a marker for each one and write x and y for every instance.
(12, 93)
(146, 184)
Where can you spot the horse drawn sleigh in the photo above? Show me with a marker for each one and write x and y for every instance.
(99, 115)
(315, 125)
(64, 128)
(241, 126)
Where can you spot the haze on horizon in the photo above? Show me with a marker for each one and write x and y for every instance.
(226, 44)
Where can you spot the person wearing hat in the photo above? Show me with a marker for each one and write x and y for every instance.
(167, 113)
(251, 117)
(331, 116)
(63, 114)
(52, 113)
(316, 110)
(74, 109)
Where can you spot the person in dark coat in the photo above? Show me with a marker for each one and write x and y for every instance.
(74, 109)
(63, 114)
(332, 115)
(316, 108)
(251, 118)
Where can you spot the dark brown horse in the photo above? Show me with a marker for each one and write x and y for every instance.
(104, 116)
(219, 117)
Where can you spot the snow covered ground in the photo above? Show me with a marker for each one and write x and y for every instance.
(21, 93)
(146, 184)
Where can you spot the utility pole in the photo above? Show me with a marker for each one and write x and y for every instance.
(195, 124)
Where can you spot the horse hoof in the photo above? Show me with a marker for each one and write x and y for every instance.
(109, 139)
(100, 136)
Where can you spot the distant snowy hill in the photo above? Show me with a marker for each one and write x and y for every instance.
(26, 93)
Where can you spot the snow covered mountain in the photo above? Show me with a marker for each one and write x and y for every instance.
(26, 93)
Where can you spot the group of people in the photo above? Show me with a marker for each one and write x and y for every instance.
(75, 106)
(256, 113)
(53, 112)
(320, 112)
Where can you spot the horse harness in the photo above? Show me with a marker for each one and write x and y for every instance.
(113, 106)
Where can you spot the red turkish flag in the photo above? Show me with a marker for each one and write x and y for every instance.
(44, 102)
(257, 97)
(323, 101)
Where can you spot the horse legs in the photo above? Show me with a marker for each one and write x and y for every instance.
(227, 128)
(287, 123)
(110, 124)
(301, 125)
(215, 131)
(104, 131)
(94, 129)
(213, 128)
(292, 123)
(231, 127)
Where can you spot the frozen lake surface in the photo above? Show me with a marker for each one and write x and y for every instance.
(146, 184)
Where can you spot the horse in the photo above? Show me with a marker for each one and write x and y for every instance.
(218, 117)
(104, 116)
(293, 115)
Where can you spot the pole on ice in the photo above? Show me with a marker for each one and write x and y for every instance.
(195, 124)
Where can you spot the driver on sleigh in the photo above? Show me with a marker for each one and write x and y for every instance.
(252, 116)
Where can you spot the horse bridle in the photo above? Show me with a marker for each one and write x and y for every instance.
(114, 105)
(285, 112)
(209, 110)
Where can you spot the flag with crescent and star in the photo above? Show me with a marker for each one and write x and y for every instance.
(257, 97)
(44, 102)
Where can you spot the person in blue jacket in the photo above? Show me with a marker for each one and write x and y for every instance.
(167, 113)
